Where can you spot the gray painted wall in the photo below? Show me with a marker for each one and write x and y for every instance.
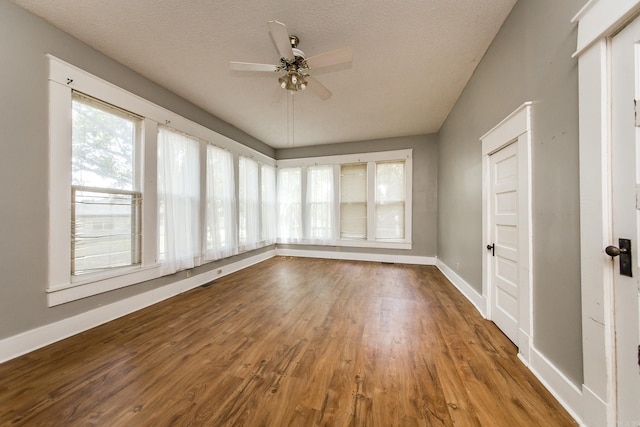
(530, 60)
(425, 186)
(23, 163)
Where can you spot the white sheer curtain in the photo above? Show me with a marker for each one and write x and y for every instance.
(268, 202)
(248, 194)
(390, 197)
(178, 201)
(320, 206)
(221, 205)
(289, 205)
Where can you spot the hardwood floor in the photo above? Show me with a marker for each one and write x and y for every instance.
(290, 341)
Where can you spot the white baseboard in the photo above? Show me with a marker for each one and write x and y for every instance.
(467, 290)
(561, 387)
(567, 394)
(524, 347)
(594, 409)
(34, 339)
(357, 256)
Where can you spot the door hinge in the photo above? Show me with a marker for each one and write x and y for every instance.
(638, 355)
(635, 113)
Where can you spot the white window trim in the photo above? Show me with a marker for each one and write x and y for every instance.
(371, 159)
(63, 78)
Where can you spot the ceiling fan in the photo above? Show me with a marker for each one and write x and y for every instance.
(295, 64)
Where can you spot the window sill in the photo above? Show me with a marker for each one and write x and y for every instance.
(354, 244)
(98, 283)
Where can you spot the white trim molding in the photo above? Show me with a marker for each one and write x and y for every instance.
(34, 339)
(597, 22)
(599, 19)
(515, 128)
(561, 387)
(356, 256)
(476, 298)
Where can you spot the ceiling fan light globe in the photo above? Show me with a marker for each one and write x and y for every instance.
(294, 79)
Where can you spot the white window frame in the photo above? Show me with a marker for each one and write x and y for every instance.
(370, 159)
(63, 79)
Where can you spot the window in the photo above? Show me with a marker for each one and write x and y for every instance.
(268, 203)
(369, 205)
(320, 204)
(390, 196)
(248, 194)
(353, 201)
(131, 200)
(289, 205)
(105, 196)
(178, 200)
(221, 204)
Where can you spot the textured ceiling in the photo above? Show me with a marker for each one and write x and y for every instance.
(412, 58)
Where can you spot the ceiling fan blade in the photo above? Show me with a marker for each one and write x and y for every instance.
(318, 88)
(338, 56)
(250, 66)
(281, 38)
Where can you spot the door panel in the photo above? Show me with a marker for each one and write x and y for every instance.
(625, 178)
(504, 235)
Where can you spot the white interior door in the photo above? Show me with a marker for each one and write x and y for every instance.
(626, 217)
(504, 232)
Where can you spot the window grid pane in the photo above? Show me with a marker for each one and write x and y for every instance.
(248, 195)
(390, 198)
(320, 203)
(353, 201)
(105, 227)
(221, 200)
(106, 209)
(289, 189)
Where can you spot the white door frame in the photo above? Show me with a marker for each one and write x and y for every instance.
(515, 128)
(597, 22)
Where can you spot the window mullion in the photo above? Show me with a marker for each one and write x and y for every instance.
(149, 189)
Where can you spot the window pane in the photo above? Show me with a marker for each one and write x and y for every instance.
(289, 204)
(390, 221)
(221, 204)
(320, 204)
(178, 200)
(353, 222)
(390, 195)
(106, 230)
(248, 193)
(106, 209)
(390, 182)
(268, 200)
(353, 201)
(103, 146)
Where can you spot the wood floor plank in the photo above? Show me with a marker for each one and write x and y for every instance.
(290, 341)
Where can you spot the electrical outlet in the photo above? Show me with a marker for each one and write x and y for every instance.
(219, 271)
(189, 273)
